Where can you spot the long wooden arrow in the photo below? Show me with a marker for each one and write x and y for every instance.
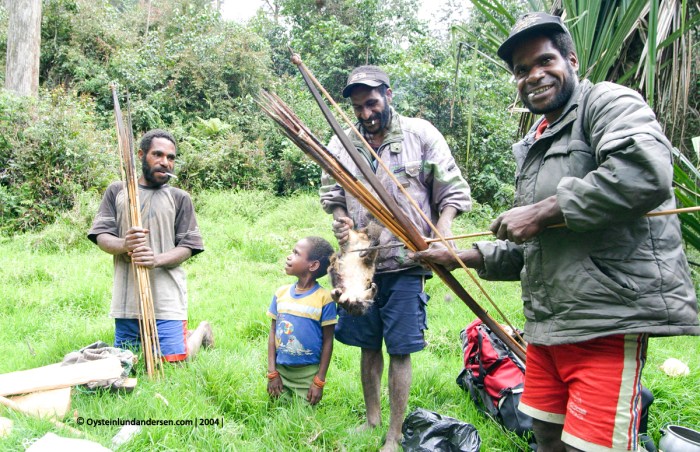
(558, 225)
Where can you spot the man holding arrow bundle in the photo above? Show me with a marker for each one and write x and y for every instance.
(420, 159)
(170, 235)
(593, 292)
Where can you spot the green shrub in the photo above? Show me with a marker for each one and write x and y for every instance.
(50, 150)
(213, 156)
(69, 231)
(177, 59)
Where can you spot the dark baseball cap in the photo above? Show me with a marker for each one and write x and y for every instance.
(370, 76)
(528, 23)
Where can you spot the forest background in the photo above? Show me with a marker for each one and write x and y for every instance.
(191, 72)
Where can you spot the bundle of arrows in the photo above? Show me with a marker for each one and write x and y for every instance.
(147, 321)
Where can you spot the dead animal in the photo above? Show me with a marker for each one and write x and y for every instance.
(352, 271)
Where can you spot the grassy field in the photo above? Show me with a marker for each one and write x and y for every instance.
(54, 298)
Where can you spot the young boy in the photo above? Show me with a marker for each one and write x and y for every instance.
(303, 316)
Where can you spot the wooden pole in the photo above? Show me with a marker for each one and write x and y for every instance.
(18, 408)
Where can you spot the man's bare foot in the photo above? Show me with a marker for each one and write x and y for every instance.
(208, 336)
(364, 427)
(391, 445)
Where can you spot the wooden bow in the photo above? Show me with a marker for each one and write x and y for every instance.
(411, 237)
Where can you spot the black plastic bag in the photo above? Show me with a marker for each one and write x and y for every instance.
(425, 431)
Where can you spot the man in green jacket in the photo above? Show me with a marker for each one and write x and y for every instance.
(595, 290)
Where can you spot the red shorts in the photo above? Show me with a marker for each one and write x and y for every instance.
(593, 388)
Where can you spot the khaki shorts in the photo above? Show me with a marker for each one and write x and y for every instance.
(298, 380)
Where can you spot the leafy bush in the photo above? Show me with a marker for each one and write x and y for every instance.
(79, 40)
(69, 230)
(214, 156)
(177, 59)
(50, 150)
(334, 37)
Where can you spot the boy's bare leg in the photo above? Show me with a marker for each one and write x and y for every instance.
(202, 336)
(400, 375)
(371, 368)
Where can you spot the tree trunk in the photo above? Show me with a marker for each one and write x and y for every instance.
(23, 47)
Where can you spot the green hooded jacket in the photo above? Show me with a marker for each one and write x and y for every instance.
(612, 270)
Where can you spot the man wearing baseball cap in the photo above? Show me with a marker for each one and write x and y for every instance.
(417, 154)
(595, 290)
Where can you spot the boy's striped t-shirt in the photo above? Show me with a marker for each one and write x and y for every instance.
(300, 318)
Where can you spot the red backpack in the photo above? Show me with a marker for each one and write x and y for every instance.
(494, 377)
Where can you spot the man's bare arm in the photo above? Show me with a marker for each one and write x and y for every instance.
(135, 244)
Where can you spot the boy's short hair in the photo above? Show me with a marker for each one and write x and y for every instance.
(321, 251)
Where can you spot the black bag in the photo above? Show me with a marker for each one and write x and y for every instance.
(425, 431)
(493, 376)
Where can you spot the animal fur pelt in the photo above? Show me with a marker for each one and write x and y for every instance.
(352, 271)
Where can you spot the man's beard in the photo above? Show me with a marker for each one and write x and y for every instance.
(148, 174)
(559, 100)
(384, 118)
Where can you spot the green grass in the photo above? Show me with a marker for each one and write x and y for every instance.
(54, 298)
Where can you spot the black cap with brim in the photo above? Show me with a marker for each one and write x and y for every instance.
(370, 76)
(527, 24)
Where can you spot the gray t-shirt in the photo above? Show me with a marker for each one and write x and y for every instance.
(168, 214)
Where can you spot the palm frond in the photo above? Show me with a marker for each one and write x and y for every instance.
(685, 179)
(490, 7)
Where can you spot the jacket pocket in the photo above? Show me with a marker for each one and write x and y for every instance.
(408, 173)
(556, 150)
(413, 168)
(610, 277)
(573, 159)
